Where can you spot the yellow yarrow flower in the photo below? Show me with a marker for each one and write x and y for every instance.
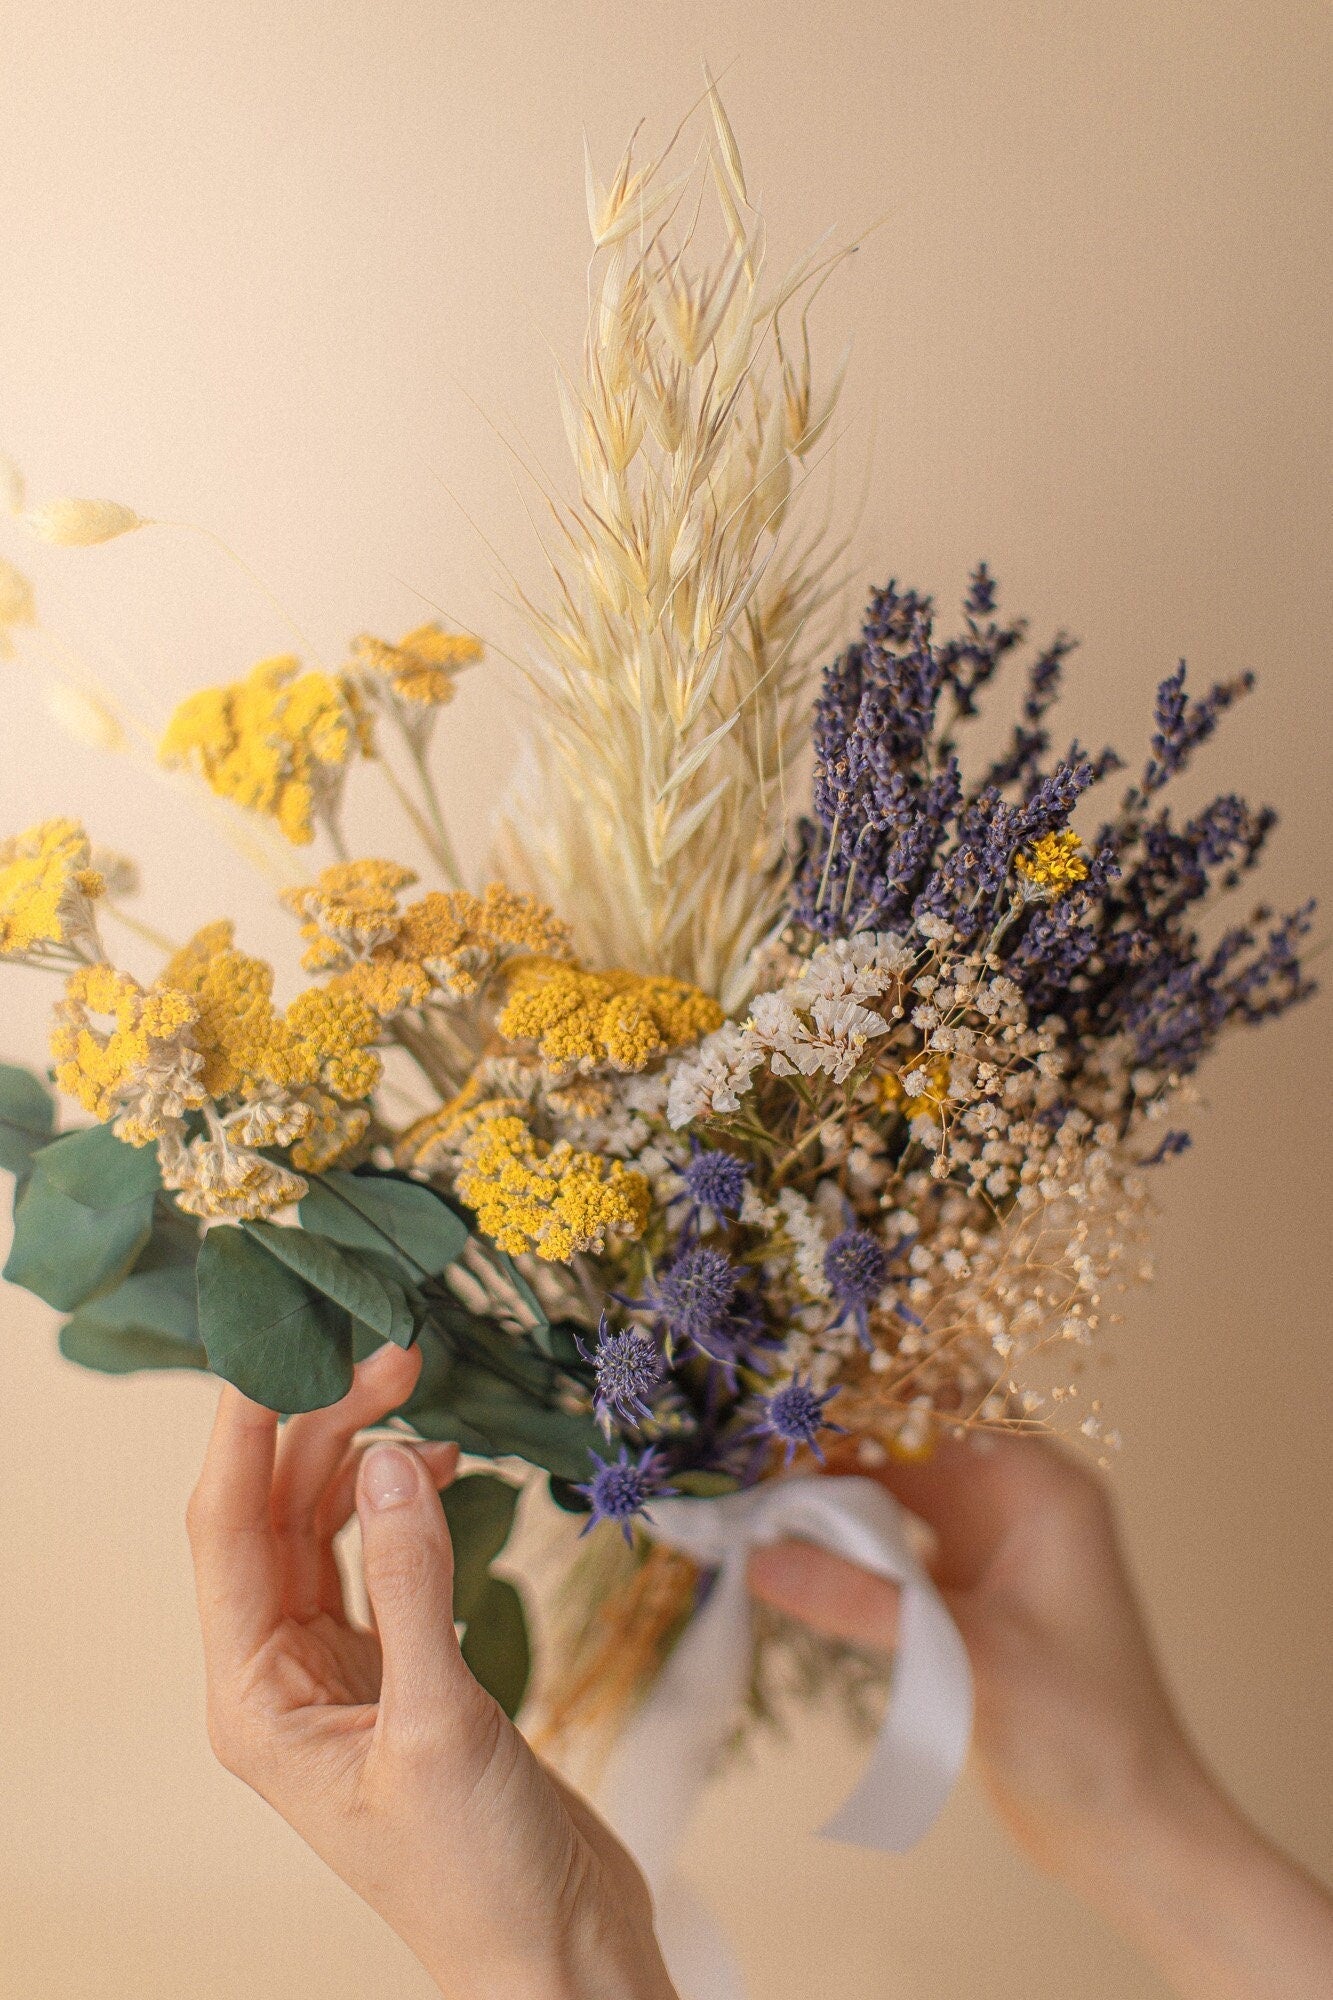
(552, 1200)
(47, 888)
(424, 665)
(325, 1038)
(142, 1070)
(277, 742)
(349, 910)
(587, 1020)
(1053, 865)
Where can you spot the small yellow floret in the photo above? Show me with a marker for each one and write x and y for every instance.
(551, 1200)
(460, 938)
(142, 1070)
(47, 884)
(423, 666)
(893, 1097)
(1054, 864)
(277, 742)
(349, 910)
(587, 1020)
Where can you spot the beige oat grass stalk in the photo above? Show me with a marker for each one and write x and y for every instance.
(672, 659)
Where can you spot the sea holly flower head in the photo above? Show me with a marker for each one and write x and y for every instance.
(794, 1414)
(856, 1265)
(715, 1180)
(621, 1488)
(628, 1370)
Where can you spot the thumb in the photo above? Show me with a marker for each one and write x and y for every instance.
(409, 1571)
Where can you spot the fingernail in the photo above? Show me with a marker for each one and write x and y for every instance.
(388, 1476)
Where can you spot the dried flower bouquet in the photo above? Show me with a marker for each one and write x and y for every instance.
(737, 1135)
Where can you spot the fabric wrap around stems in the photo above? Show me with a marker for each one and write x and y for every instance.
(671, 1744)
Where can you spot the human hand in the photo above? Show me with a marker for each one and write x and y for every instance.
(379, 1747)
(1073, 1724)
(1076, 1739)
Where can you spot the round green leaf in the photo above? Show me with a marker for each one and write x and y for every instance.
(341, 1275)
(380, 1212)
(99, 1170)
(495, 1645)
(27, 1118)
(65, 1251)
(282, 1344)
(480, 1513)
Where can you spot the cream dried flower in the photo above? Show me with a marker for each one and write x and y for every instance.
(672, 664)
(80, 524)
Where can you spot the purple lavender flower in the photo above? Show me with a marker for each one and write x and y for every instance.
(715, 1180)
(621, 1488)
(795, 1415)
(628, 1370)
(856, 1265)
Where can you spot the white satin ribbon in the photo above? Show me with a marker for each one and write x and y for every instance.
(670, 1746)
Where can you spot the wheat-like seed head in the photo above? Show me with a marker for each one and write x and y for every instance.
(672, 662)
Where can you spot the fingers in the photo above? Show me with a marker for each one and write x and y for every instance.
(409, 1572)
(975, 1493)
(825, 1591)
(312, 1448)
(231, 1535)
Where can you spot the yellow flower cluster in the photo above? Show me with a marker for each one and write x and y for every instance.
(589, 1020)
(423, 667)
(326, 1036)
(893, 1097)
(47, 888)
(551, 1200)
(393, 958)
(143, 1070)
(277, 742)
(1054, 864)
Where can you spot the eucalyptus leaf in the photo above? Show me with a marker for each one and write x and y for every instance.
(380, 1212)
(149, 1321)
(99, 1170)
(495, 1644)
(702, 1485)
(281, 1343)
(27, 1118)
(379, 1303)
(66, 1252)
(480, 1512)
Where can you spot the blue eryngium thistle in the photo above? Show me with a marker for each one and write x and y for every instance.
(628, 1370)
(856, 1265)
(694, 1295)
(621, 1488)
(795, 1414)
(716, 1180)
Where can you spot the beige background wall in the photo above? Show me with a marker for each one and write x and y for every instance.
(274, 269)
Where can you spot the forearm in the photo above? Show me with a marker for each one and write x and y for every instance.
(1212, 1906)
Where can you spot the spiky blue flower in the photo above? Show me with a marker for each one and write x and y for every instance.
(795, 1415)
(694, 1296)
(620, 1489)
(856, 1265)
(628, 1370)
(715, 1180)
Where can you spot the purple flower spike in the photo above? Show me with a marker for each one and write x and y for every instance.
(795, 1414)
(856, 1265)
(716, 1180)
(628, 1370)
(621, 1488)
